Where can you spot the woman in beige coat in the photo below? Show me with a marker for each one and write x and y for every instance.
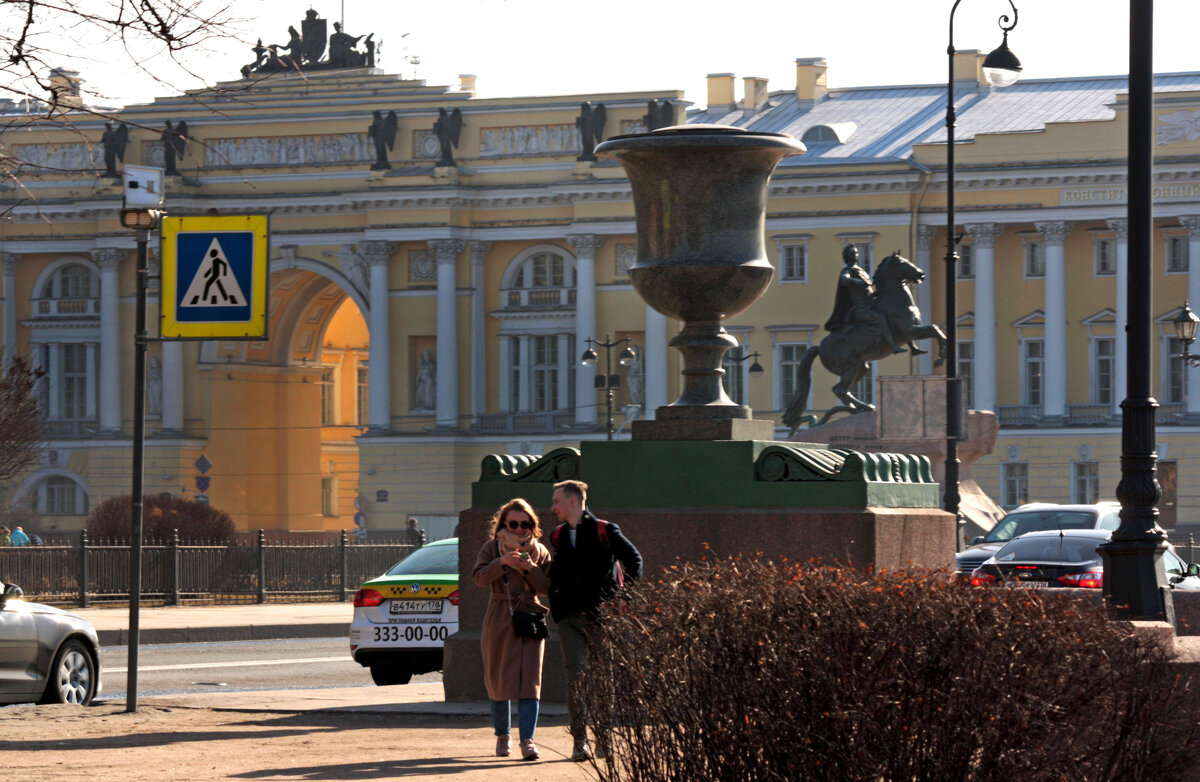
(515, 567)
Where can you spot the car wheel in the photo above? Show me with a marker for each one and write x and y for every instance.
(72, 678)
(383, 675)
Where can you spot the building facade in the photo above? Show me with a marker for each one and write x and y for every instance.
(425, 312)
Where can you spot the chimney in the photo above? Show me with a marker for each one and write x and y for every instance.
(968, 66)
(466, 82)
(810, 78)
(65, 86)
(720, 92)
(755, 90)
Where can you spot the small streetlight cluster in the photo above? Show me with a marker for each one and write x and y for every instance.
(609, 380)
(755, 368)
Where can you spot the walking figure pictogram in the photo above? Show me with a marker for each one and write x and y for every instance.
(214, 283)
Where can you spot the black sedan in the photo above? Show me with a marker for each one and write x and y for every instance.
(46, 654)
(1066, 558)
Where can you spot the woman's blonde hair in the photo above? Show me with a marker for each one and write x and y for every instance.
(498, 518)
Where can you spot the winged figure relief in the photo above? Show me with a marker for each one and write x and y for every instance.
(1179, 126)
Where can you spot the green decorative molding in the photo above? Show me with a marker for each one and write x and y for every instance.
(791, 463)
(559, 465)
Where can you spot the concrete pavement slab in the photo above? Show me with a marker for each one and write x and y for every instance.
(199, 624)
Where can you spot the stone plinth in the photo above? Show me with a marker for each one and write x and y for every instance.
(704, 429)
(691, 499)
(911, 418)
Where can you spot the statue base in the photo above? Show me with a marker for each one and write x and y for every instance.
(375, 176)
(911, 418)
(703, 429)
(449, 173)
(583, 169)
(691, 500)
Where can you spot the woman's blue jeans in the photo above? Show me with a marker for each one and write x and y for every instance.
(527, 716)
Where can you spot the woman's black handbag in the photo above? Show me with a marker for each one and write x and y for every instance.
(527, 624)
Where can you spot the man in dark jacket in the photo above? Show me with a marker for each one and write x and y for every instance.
(583, 575)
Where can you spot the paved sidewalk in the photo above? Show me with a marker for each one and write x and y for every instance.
(196, 624)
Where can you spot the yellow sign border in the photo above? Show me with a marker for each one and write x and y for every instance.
(253, 329)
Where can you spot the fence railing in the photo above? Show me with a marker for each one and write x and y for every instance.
(175, 573)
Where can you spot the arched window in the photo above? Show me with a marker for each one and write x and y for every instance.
(544, 280)
(59, 495)
(72, 281)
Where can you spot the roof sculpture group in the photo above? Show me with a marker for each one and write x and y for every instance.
(305, 48)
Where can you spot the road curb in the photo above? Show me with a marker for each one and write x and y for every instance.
(185, 635)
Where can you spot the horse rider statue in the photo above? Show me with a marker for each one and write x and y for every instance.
(871, 318)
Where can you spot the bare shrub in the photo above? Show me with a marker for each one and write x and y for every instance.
(196, 522)
(748, 670)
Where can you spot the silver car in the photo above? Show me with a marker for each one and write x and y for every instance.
(47, 655)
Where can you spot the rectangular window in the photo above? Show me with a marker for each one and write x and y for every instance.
(864, 389)
(59, 498)
(1032, 369)
(788, 371)
(1177, 254)
(545, 373)
(1105, 362)
(363, 394)
(966, 262)
(1106, 257)
(328, 399)
(793, 266)
(1085, 483)
(327, 503)
(966, 371)
(1015, 476)
(1176, 385)
(73, 381)
(734, 380)
(1035, 259)
(865, 257)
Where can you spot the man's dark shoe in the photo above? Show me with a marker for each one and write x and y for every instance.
(582, 752)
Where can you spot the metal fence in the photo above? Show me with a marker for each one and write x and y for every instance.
(175, 573)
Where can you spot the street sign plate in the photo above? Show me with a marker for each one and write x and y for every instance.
(214, 277)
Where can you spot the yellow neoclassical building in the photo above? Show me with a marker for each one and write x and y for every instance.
(430, 297)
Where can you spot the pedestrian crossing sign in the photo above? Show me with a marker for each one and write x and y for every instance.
(214, 277)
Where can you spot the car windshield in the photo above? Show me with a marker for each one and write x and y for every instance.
(428, 560)
(1049, 548)
(1015, 524)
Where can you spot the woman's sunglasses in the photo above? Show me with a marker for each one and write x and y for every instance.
(520, 525)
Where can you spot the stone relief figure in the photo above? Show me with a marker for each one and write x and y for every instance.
(635, 379)
(260, 55)
(425, 397)
(590, 122)
(659, 114)
(114, 141)
(447, 129)
(382, 132)
(355, 267)
(871, 317)
(154, 387)
(174, 141)
(342, 53)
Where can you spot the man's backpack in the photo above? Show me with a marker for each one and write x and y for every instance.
(602, 533)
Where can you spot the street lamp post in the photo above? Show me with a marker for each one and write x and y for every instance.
(755, 368)
(608, 381)
(1001, 68)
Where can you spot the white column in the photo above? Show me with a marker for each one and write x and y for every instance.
(925, 234)
(506, 400)
(524, 392)
(1120, 228)
(1054, 401)
(378, 256)
(10, 305)
(1192, 224)
(172, 387)
(446, 252)
(565, 359)
(479, 251)
(585, 246)
(109, 259)
(655, 361)
(984, 341)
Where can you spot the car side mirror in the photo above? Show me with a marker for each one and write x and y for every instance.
(11, 592)
(1193, 569)
(975, 541)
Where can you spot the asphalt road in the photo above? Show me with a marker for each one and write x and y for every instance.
(171, 669)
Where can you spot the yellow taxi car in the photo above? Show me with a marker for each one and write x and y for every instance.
(402, 618)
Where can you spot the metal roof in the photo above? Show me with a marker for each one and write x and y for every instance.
(888, 121)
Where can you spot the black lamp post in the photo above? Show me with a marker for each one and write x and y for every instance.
(1185, 324)
(1135, 583)
(609, 380)
(755, 368)
(1001, 68)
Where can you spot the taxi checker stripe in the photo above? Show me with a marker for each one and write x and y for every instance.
(427, 590)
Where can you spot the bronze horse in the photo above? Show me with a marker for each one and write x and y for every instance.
(845, 352)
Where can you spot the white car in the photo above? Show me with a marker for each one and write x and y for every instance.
(402, 619)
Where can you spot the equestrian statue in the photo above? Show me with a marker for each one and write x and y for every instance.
(871, 318)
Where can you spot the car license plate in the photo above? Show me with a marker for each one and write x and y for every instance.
(1031, 584)
(416, 607)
